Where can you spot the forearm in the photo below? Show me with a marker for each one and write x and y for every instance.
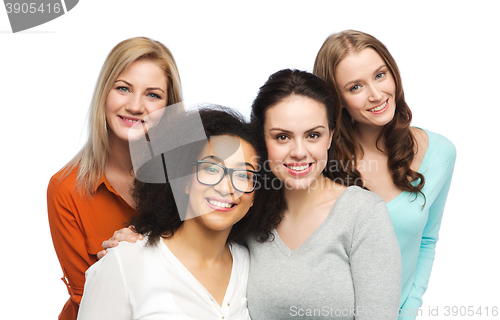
(69, 243)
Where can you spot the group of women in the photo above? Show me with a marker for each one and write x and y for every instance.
(327, 204)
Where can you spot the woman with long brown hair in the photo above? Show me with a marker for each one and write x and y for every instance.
(410, 168)
(89, 198)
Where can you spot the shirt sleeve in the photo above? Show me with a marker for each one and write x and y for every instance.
(106, 296)
(376, 266)
(409, 310)
(68, 237)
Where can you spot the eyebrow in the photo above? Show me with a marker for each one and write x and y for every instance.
(220, 160)
(307, 131)
(359, 80)
(150, 88)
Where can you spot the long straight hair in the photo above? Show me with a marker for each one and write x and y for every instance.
(399, 141)
(92, 159)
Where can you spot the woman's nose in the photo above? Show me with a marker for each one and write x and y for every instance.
(135, 105)
(375, 94)
(299, 150)
(224, 186)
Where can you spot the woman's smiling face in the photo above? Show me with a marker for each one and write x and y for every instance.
(367, 88)
(297, 139)
(138, 91)
(220, 206)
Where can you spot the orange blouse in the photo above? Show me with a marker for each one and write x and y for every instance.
(79, 224)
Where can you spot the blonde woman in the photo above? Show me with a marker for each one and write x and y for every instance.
(89, 198)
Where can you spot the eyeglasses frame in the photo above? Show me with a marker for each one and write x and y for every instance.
(227, 171)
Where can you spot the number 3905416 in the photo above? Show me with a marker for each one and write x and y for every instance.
(33, 7)
(470, 311)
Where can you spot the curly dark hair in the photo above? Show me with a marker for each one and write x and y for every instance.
(159, 213)
(279, 86)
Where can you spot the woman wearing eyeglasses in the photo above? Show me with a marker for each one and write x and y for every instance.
(187, 266)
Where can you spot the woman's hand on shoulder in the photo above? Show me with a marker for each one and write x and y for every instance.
(124, 234)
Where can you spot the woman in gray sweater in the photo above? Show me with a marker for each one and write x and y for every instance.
(331, 252)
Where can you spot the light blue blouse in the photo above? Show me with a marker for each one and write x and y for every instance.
(417, 227)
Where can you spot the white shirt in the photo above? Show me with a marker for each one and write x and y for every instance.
(137, 282)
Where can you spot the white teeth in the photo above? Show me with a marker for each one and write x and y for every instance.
(220, 204)
(298, 168)
(379, 107)
(130, 120)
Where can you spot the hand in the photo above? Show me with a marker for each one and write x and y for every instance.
(124, 234)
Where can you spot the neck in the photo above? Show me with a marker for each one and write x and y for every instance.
(119, 155)
(193, 241)
(367, 136)
(300, 201)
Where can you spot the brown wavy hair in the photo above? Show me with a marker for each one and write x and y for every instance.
(400, 143)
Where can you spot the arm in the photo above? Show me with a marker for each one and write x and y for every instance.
(106, 293)
(376, 266)
(68, 238)
(426, 255)
(443, 163)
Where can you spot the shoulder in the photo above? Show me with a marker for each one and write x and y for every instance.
(360, 205)
(441, 145)
(241, 259)
(62, 192)
(240, 252)
(127, 252)
(356, 197)
(63, 180)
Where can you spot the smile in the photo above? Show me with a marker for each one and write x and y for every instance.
(299, 169)
(219, 205)
(131, 120)
(380, 108)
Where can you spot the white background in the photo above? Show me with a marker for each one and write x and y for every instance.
(448, 57)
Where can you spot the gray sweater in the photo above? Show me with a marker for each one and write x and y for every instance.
(349, 268)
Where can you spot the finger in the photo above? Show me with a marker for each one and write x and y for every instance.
(123, 234)
(109, 244)
(132, 238)
(132, 230)
(101, 254)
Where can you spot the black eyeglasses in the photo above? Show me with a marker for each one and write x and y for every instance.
(211, 174)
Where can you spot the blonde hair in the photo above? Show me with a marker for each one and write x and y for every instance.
(91, 160)
(398, 138)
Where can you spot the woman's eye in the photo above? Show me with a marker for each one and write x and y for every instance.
(212, 169)
(243, 176)
(154, 95)
(354, 87)
(122, 89)
(281, 137)
(380, 75)
(314, 135)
